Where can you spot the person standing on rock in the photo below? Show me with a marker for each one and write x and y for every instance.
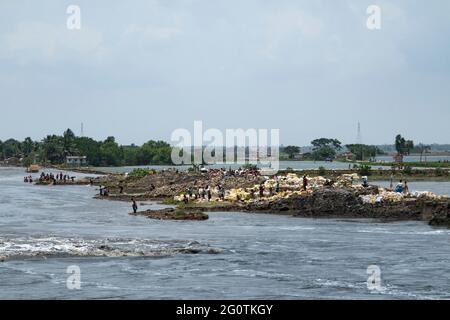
(365, 182)
(261, 190)
(399, 187)
(208, 193)
(305, 182)
(221, 193)
(134, 205)
(405, 187)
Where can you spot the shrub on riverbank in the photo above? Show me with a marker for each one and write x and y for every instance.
(141, 173)
(322, 171)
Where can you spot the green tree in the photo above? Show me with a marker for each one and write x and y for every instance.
(11, 148)
(323, 142)
(325, 148)
(90, 148)
(111, 153)
(154, 152)
(402, 145)
(52, 149)
(28, 146)
(69, 144)
(130, 155)
(364, 152)
(291, 151)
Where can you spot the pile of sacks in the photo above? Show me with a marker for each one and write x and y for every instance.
(241, 193)
(390, 196)
(288, 186)
(346, 180)
(293, 182)
(383, 196)
(428, 195)
(289, 182)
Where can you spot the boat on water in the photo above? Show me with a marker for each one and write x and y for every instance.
(34, 168)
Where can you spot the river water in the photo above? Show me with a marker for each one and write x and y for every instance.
(283, 165)
(46, 229)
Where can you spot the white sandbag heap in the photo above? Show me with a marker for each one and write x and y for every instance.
(347, 180)
(390, 196)
(383, 196)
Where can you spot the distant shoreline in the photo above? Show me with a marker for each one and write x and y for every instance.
(374, 174)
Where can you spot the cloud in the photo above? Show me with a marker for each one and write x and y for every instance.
(283, 25)
(153, 32)
(36, 41)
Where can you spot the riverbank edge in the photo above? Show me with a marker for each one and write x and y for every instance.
(433, 212)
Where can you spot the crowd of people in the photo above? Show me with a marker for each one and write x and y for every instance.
(203, 192)
(234, 172)
(59, 177)
(51, 178)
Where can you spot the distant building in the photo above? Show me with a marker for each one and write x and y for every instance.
(13, 161)
(346, 155)
(76, 161)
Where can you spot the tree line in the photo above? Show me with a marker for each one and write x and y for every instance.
(54, 149)
(328, 148)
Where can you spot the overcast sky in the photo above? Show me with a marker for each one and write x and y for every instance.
(310, 68)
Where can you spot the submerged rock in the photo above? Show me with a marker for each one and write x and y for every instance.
(173, 214)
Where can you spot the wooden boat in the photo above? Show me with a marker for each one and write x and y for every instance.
(34, 168)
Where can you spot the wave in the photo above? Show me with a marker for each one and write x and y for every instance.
(397, 232)
(45, 247)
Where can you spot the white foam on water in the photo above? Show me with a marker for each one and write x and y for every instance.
(387, 231)
(28, 247)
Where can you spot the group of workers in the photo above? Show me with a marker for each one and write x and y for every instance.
(104, 191)
(50, 177)
(234, 172)
(203, 193)
(58, 177)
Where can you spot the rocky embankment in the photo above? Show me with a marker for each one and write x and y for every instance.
(173, 214)
(346, 203)
(75, 182)
(167, 184)
(341, 198)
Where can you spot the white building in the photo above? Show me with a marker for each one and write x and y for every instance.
(76, 161)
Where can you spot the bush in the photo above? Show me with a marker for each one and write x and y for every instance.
(322, 171)
(140, 173)
(439, 172)
(407, 170)
(170, 201)
(364, 170)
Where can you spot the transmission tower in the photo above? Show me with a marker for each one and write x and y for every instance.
(358, 135)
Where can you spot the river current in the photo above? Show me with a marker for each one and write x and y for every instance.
(46, 229)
